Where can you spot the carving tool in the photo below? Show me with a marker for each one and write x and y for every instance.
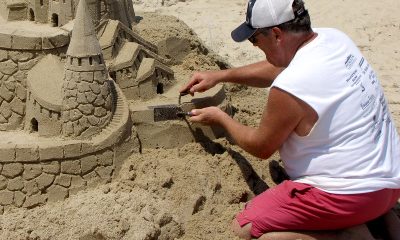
(172, 111)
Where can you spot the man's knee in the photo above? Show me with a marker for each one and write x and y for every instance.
(242, 232)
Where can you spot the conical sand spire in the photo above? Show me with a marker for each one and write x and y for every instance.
(88, 102)
(84, 41)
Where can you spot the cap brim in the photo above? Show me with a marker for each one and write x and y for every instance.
(243, 32)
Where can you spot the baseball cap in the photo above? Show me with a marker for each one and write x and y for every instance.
(262, 14)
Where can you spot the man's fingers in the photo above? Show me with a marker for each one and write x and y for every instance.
(193, 81)
(185, 92)
(185, 88)
(195, 112)
(189, 87)
(198, 88)
(194, 89)
(195, 115)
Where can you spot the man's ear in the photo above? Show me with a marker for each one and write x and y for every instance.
(277, 33)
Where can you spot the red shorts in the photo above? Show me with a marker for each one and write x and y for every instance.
(297, 206)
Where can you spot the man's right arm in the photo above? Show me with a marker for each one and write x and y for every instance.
(260, 74)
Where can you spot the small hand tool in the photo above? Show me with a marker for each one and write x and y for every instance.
(171, 112)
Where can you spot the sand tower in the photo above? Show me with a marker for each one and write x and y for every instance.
(94, 7)
(87, 93)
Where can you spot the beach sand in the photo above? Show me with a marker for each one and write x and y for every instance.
(194, 192)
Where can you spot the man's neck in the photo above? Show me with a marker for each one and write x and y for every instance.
(297, 41)
(306, 39)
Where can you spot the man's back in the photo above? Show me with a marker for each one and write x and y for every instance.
(354, 139)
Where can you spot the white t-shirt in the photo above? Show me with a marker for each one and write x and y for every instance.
(354, 146)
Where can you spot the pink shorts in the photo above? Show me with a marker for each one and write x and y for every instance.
(297, 206)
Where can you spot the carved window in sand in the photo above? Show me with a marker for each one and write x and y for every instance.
(160, 88)
(54, 20)
(31, 15)
(34, 125)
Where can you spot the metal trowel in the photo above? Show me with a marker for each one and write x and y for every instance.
(171, 111)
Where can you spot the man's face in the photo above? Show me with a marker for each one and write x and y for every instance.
(268, 42)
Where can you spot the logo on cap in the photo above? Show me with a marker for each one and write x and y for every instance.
(249, 13)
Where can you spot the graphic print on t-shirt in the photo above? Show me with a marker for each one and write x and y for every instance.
(372, 99)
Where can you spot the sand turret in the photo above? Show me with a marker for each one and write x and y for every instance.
(94, 7)
(87, 94)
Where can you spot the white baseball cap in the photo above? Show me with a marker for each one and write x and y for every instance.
(262, 14)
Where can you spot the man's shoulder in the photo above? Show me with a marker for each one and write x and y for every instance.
(331, 32)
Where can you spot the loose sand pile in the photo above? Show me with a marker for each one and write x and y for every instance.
(195, 191)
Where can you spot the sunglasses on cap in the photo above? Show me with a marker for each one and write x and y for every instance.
(253, 38)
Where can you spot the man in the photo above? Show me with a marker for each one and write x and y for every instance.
(326, 114)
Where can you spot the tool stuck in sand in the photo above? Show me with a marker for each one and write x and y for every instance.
(172, 111)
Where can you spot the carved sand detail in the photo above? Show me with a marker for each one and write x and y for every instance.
(77, 95)
(87, 95)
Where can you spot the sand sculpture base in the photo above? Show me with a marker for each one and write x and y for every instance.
(160, 133)
(38, 163)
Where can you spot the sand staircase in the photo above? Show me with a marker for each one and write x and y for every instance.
(112, 34)
(115, 130)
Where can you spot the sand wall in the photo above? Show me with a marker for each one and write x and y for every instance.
(32, 184)
(33, 174)
(18, 55)
(14, 66)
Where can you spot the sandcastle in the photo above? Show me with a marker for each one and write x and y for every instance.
(78, 92)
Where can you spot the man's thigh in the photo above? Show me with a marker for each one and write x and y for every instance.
(296, 206)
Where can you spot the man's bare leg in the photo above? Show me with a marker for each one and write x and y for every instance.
(241, 232)
(360, 232)
(392, 223)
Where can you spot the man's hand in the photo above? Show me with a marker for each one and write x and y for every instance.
(260, 74)
(207, 116)
(201, 81)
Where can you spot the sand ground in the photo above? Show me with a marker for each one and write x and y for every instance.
(194, 192)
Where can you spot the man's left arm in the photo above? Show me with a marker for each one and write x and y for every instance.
(280, 118)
